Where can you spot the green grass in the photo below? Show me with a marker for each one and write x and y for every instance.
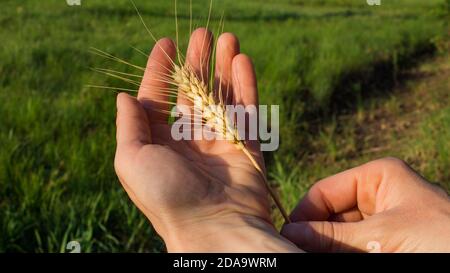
(436, 147)
(57, 138)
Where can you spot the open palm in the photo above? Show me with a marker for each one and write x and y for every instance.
(190, 190)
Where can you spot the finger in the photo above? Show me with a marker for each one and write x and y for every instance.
(198, 56)
(244, 81)
(151, 92)
(327, 236)
(133, 129)
(379, 182)
(246, 94)
(339, 193)
(227, 49)
(352, 215)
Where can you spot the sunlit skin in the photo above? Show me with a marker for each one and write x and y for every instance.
(204, 196)
(381, 206)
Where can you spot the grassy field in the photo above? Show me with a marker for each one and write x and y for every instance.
(337, 68)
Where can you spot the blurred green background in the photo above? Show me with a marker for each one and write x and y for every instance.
(354, 83)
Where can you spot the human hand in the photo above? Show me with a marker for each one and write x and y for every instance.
(382, 203)
(199, 195)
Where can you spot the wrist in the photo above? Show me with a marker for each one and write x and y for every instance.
(233, 233)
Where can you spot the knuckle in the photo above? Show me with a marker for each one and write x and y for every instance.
(332, 236)
(439, 190)
(338, 235)
(393, 162)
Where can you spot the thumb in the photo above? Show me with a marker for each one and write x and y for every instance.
(133, 130)
(324, 236)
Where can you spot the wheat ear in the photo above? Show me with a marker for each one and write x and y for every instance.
(214, 115)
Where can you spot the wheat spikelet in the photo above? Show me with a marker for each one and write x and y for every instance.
(214, 114)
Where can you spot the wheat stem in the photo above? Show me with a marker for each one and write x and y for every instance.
(266, 183)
